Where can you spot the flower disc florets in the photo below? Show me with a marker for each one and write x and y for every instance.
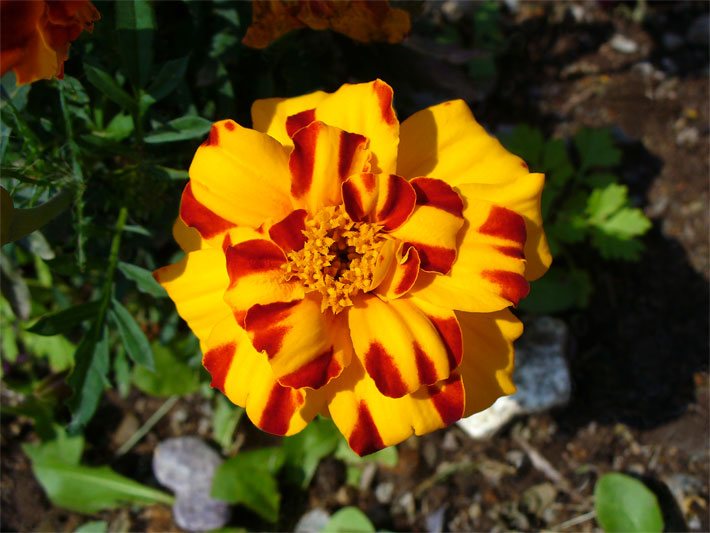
(338, 259)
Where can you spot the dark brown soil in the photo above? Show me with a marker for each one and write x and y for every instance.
(639, 356)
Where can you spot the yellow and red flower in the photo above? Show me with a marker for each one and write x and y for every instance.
(35, 35)
(362, 20)
(342, 263)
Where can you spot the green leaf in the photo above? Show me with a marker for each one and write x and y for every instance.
(596, 149)
(63, 448)
(65, 320)
(626, 223)
(135, 25)
(122, 373)
(527, 143)
(171, 376)
(613, 246)
(95, 526)
(87, 489)
(386, 456)
(559, 290)
(624, 504)
(603, 202)
(88, 378)
(169, 76)
(56, 348)
(349, 520)
(120, 127)
(248, 479)
(105, 83)
(143, 279)
(556, 163)
(224, 422)
(134, 340)
(181, 129)
(306, 449)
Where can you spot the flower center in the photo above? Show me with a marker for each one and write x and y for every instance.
(338, 259)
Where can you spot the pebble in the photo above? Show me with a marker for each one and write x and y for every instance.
(313, 521)
(687, 137)
(187, 465)
(450, 442)
(384, 492)
(516, 458)
(623, 44)
(541, 376)
(435, 521)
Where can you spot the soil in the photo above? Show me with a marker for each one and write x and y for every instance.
(639, 352)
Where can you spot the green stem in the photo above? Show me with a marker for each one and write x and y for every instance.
(23, 127)
(80, 185)
(107, 291)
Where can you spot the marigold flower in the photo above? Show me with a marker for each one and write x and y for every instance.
(362, 20)
(35, 35)
(341, 263)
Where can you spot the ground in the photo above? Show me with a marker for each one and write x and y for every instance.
(638, 354)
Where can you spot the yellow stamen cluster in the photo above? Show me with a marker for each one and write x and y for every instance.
(338, 259)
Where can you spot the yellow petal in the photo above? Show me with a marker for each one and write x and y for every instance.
(241, 175)
(404, 344)
(245, 377)
(521, 195)
(371, 421)
(196, 285)
(270, 114)
(487, 365)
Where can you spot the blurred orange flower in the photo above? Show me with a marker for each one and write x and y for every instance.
(361, 20)
(35, 35)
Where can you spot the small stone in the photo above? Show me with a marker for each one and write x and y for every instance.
(623, 44)
(450, 442)
(435, 521)
(185, 464)
(538, 498)
(516, 458)
(407, 504)
(384, 492)
(367, 476)
(687, 137)
(313, 521)
(198, 512)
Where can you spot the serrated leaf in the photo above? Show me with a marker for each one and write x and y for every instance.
(181, 129)
(628, 222)
(306, 449)
(624, 504)
(171, 376)
(599, 180)
(143, 278)
(169, 76)
(108, 86)
(603, 202)
(134, 340)
(88, 378)
(527, 143)
(612, 246)
(556, 163)
(135, 25)
(65, 320)
(596, 149)
(349, 520)
(558, 291)
(249, 480)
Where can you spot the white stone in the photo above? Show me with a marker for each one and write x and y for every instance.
(623, 44)
(312, 522)
(541, 376)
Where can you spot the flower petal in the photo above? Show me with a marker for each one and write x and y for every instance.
(288, 233)
(433, 227)
(306, 348)
(188, 239)
(488, 274)
(400, 345)
(256, 277)
(371, 421)
(241, 175)
(245, 377)
(402, 275)
(487, 367)
(445, 142)
(384, 199)
(270, 115)
(322, 159)
(522, 196)
(366, 108)
(196, 285)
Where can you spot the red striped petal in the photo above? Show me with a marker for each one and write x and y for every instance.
(196, 215)
(288, 233)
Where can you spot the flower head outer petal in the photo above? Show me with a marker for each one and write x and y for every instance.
(522, 196)
(189, 239)
(487, 367)
(196, 284)
(371, 421)
(404, 344)
(488, 274)
(256, 276)
(241, 175)
(245, 377)
(322, 159)
(306, 347)
(387, 200)
(434, 225)
(271, 115)
(366, 108)
(209, 226)
(445, 142)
